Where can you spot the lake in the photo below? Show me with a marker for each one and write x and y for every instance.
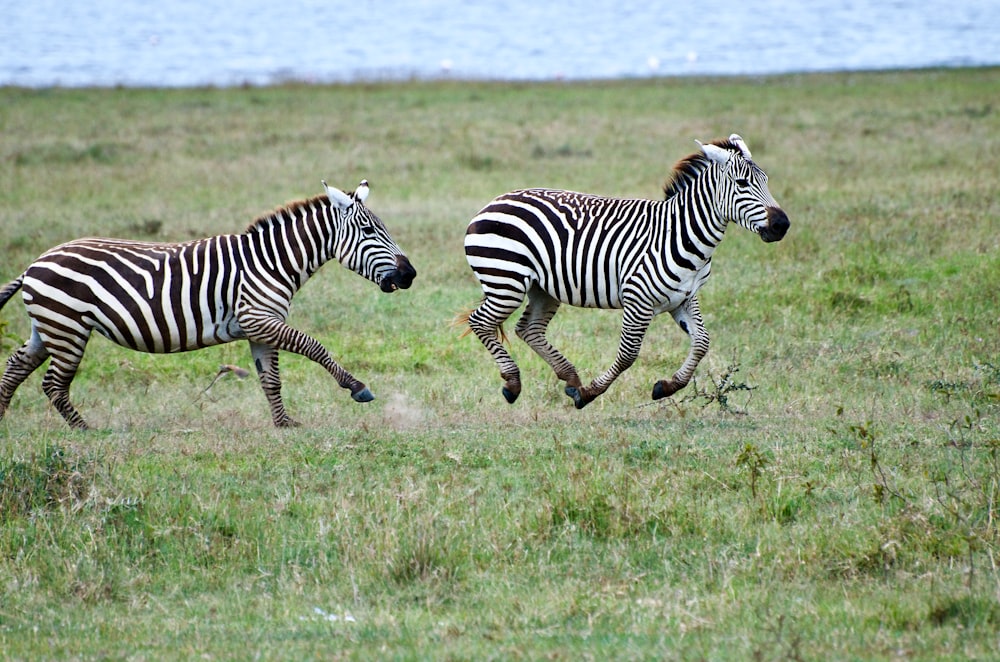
(257, 42)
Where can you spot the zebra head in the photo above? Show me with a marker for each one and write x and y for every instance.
(363, 244)
(741, 191)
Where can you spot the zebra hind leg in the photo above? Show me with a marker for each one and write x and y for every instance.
(485, 321)
(265, 359)
(531, 329)
(21, 363)
(55, 385)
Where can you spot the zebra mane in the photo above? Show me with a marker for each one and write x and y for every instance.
(687, 169)
(287, 212)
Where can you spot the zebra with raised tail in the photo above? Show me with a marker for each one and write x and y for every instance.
(165, 297)
(645, 257)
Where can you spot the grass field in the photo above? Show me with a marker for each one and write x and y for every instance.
(827, 489)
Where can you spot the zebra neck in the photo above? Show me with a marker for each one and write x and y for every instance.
(287, 253)
(693, 213)
(319, 228)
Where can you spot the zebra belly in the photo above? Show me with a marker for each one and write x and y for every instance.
(176, 339)
(125, 324)
(602, 293)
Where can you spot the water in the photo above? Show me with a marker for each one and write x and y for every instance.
(259, 42)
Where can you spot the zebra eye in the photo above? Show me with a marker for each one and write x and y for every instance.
(368, 229)
(742, 183)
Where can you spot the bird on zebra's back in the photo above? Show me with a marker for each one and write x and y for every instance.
(175, 297)
(644, 257)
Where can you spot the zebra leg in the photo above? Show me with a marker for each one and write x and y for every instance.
(688, 317)
(531, 329)
(485, 321)
(265, 358)
(21, 363)
(271, 330)
(635, 321)
(62, 370)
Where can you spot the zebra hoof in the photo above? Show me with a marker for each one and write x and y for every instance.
(578, 398)
(664, 389)
(509, 395)
(364, 395)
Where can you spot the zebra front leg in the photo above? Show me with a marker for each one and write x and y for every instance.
(271, 330)
(688, 317)
(635, 321)
(265, 359)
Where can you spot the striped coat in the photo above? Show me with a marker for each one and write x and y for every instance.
(645, 257)
(165, 298)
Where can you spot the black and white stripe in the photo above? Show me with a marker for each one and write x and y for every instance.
(645, 257)
(162, 297)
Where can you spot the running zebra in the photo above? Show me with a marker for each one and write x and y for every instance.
(163, 298)
(645, 257)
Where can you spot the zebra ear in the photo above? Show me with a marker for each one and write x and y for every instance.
(714, 152)
(737, 140)
(339, 199)
(361, 194)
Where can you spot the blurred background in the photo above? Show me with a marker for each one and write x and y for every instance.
(259, 42)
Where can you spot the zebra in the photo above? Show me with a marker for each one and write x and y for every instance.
(175, 297)
(644, 257)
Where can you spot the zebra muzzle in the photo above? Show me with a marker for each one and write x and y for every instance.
(777, 225)
(399, 278)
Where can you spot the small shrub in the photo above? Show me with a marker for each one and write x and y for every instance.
(753, 462)
(722, 389)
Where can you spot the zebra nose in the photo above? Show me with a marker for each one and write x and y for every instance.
(401, 277)
(406, 271)
(777, 225)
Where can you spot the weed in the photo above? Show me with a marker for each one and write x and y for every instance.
(983, 389)
(722, 388)
(881, 488)
(786, 640)
(967, 496)
(948, 389)
(752, 461)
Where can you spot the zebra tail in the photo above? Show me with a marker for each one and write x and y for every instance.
(9, 289)
(462, 320)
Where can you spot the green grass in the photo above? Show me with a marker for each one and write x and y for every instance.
(827, 489)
